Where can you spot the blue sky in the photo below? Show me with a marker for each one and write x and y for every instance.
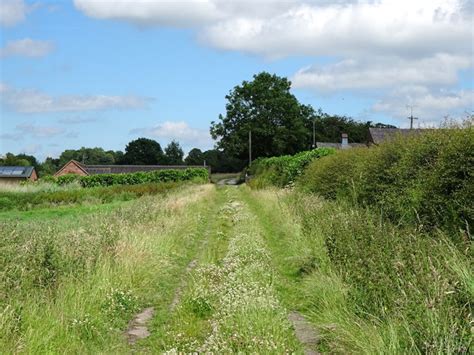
(101, 73)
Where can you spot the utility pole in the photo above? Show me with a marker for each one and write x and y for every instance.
(314, 133)
(250, 147)
(411, 118)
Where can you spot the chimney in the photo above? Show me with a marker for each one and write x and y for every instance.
(345, 141)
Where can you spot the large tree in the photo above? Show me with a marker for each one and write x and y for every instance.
(174, 153)
(143, 151)
(266, 107)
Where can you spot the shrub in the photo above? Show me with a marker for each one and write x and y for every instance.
(67, 179)
(156, 176)
(282, 171)
(426, 180)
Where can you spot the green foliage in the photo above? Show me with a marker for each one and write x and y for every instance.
(76, 195)
(143, 151)
(273, 114)
(145, 177)
(174, 153)
(67, 179)
(426, 180)
(283, 171)
(88, 156)
(195, 157)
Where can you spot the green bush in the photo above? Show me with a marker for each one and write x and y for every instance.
(67, 179)
(426, 180)
(282, 171)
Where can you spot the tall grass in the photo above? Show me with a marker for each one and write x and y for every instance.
(368, 285)
(72, 286)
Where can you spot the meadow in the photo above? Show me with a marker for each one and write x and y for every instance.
(364, 251)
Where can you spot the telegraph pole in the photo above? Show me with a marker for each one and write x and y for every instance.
(250, 147)
(411, 118)
(314, 133)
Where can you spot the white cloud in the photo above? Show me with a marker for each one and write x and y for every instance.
(12, 12)
(145, 12)
(26, 47)
(180, 131)
(431, 106)
(34, 101)
(39, 131)
(382, 72)
(77, 120)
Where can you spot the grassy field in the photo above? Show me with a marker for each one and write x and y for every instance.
(227, 269)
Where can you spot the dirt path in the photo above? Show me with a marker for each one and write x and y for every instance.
(226, 301)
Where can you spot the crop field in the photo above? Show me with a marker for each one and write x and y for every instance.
(282, 265)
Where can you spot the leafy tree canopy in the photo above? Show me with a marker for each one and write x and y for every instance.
(174, 153)
(265, 105)
(93, 156)
(195, 157)
(143, 151)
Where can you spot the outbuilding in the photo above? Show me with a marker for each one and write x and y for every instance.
(17, 174)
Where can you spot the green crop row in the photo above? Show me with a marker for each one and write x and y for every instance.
(145, 177)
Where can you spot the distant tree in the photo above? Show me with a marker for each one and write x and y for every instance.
(11, 159)
(195, 157)
(265, 105)
(143, 151)
(220, 162)
(174, 153)
(92, 156)
(49, 167)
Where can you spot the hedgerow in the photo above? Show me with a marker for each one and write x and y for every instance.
(283, 171)
(425, 180)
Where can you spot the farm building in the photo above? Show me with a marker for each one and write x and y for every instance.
(74, 167)
(380, 135)
(17, 174)
(343, 145)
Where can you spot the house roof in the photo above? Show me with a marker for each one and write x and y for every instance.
(339, 145)
(16, 171)
(380, 135)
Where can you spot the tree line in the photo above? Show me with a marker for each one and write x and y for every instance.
(278, 122)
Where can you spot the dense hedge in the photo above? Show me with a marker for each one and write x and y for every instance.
(282, 171)
(425, 180)
(145, 177)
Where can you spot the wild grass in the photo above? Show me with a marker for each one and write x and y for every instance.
(368, 285)
(72, 288)
(28, 197)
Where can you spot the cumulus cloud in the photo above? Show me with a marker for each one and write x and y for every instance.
(26, 47)
(12, 12)
(77, 120)
(430, 105)
(35, 101)
(144, 12)
(383, 46)
(180, 131)
(275, 28)
(383, 72)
